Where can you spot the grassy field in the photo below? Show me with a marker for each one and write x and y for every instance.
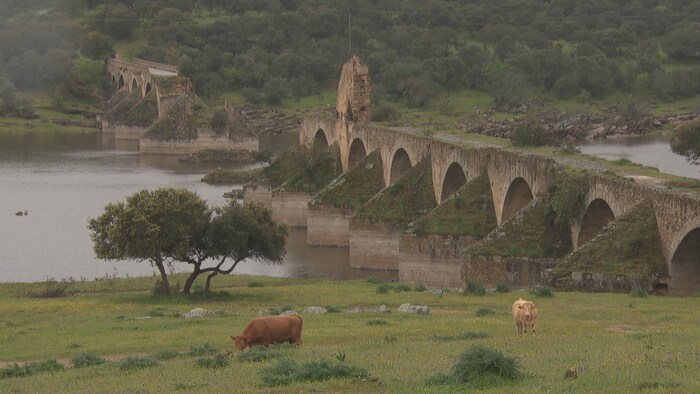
(616, 342)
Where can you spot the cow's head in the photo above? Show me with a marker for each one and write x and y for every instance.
(527, 308)
(241, 341)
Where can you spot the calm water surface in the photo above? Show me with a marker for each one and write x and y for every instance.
(653, 152)
(62, 180)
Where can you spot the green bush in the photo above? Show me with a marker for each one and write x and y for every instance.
(383, 288)
(402, 287)
(374, 280)
(255, 284)
(502, 287)
(137, 362)
(28, 369)
(166, 355)
(259, 353)
(484, 312)
(87, 359)
(639, 292)
(203, 350)
(385, 112)
(420, 288)
(473, 335)
(531, 133)
(218, 361)
(544, 291)
(377, 322)
(281, 310)
(475, 288)
(481, 367)
(289, 371)
(332, 309)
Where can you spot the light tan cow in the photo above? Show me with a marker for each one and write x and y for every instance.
(525, 315)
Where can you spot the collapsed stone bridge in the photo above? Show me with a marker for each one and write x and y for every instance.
(137, 75)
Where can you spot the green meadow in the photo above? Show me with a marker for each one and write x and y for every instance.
(614, 342)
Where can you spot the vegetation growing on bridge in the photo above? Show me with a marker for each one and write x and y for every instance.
(628, 245)
(569, 197)
(303, 170)
(356, 186)
(174, 125)
(410, 197)
(469, 212)
(144, 114)
(531, 233)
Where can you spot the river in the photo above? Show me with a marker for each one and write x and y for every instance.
(61, 180)
(649, 151)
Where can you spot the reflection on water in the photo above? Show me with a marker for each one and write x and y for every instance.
(653, 152)
(64, 179)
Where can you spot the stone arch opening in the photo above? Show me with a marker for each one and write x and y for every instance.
(121, 82)
(399, 165)
(597, 215)
(134, 84)
(357, 152)
(518, 196)
(148, 88)
(114, 80)
(685, 265)
(320, 141)
(454, 180)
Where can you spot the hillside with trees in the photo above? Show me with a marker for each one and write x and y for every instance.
(515, 52)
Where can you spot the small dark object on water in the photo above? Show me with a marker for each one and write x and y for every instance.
(20, 213)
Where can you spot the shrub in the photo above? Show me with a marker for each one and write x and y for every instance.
(402, 287)
(259, 353)
(332, 309)
(289, 371)
(531, 133)
(156, 312)
(16, 371)
(55, 289)
(87, 359)
(475, 288)
(384, 112)
(639, 292)
(203, 350)
(374, 280)
(383, 288)
(137, 362)
(481, 367)
(166, 355)
(543, 291)
(420, 288)
(569, 198)
(473, 335)
(218, 361)
(377, 322)
(502, 287)
(255, 284)
(568, 148)
(484, 312)
(281, 310)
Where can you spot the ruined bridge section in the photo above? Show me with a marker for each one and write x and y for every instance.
(137, 75)
(516, 178)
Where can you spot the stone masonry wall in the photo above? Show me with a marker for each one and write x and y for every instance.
(432, 260)
(374, 246)
(290, 208)
(328, 227)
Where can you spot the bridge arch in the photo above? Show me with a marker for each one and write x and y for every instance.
(134, 84)
(320, 141)
(597, 214)
(453, 180)
(148, 88)
(358, 151)
(400, 164)
(114, 81)
(518, 196)
(685, 264)
(121, 82)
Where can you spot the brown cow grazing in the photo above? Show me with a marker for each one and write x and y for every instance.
(270, 329)
(525, 315)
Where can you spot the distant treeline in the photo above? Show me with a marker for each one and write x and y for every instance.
(272, 49)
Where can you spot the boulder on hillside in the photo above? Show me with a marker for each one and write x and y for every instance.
(416, 309)
(315, 310)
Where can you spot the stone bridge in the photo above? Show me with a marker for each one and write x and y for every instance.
(515, 177)
(137, 75)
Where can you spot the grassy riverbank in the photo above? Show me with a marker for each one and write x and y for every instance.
(616, 342)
